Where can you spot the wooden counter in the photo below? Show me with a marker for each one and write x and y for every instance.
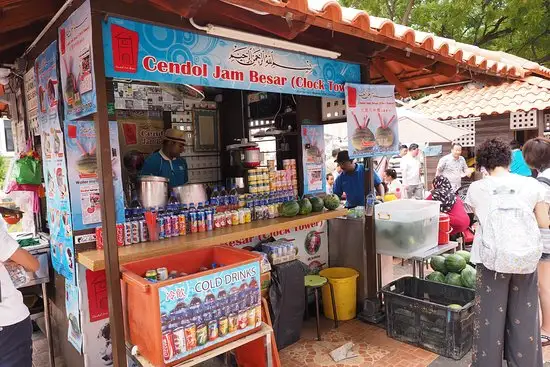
(94, 259)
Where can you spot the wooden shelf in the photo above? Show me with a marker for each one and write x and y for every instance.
(94, 259)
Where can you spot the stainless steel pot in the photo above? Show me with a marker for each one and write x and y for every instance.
(152, 191)
(191, 193)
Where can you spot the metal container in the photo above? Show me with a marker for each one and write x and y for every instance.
(190, 193)
(152, 191)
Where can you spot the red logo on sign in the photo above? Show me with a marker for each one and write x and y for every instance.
(125, 49)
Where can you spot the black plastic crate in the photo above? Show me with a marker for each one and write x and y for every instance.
(417, 313)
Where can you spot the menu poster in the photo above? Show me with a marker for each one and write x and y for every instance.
(72, 309)
(77, 69)
(313, 155)
(81, 144)
(54, 165)
(29, 81)
(372, 120)
(200, 312)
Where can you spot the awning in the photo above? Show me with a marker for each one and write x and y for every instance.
(417, 128)
(478, 100)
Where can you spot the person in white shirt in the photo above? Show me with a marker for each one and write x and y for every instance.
(15, 323)
(454, 167)
(330, 183)
(395, 161)
(536, 153)
(410, 169)
(505, 310)
(393, 183)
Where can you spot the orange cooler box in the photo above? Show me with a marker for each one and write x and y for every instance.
(177, 319)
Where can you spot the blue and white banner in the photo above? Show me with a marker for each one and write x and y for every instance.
(77, 67)
(141, 51)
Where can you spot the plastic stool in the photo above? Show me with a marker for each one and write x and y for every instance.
(315, 282)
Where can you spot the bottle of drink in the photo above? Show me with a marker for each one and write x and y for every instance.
(233, 198)
(215, 197)
(142, 224)
(160, 224)
(209, 216)
(223, 199)
(167, 222)
(182, 219)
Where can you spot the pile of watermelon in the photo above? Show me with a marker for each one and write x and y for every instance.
(454, 269)
(310, 205)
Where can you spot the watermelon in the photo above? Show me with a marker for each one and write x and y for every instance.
(464, 254)
(289, 209)
(332, 202)
(454, 306)
(438, 264)
(468, 275)
(317, 204)
(453, 279)
(455, 263)
(436, 276)
(305, 206)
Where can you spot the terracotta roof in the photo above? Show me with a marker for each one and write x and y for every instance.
(475, 100)
(494, 62)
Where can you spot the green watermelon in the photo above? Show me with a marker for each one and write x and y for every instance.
(305, 206)
(438, 264)
(332, 202)
(454, 306)
(468, 275)
(455, 263)
(317, 204)
(464, 254)
(289, 209)
(436, 276)
(454, 279)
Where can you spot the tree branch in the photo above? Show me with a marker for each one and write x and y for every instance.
(407, 14)
(493, 36)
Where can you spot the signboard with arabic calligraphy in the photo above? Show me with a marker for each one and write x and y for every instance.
(140, 51)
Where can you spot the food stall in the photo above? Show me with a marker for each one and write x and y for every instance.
(126, 74)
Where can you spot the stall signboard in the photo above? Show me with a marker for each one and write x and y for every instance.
(54, 165)
(372, 120)
(311, 241)
(203, 311)
(31, 99)
(141, 51)
(313, 153)
(81, 142)
(77, 68)
(72, 310)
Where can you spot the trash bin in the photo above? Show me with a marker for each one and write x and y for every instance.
(345, 292)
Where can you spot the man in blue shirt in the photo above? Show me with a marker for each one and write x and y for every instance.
(352, 181)
(167, 162)
(518, 165)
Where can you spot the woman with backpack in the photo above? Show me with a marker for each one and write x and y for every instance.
(507, 247)
(536, 153)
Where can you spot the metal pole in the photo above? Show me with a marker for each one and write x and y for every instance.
(106, 190)
(369, 240)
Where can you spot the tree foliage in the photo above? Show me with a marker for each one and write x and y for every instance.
(519, 27)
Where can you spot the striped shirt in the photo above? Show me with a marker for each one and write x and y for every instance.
(395, 163)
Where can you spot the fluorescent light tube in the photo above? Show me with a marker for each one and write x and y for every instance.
(269, 42)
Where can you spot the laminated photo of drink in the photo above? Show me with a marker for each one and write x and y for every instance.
(222, 313)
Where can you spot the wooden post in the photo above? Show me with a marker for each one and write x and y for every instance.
(369, 238)
(106, 191)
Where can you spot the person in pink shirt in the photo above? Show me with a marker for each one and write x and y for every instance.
(451, 204)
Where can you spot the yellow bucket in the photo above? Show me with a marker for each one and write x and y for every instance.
(344, 282)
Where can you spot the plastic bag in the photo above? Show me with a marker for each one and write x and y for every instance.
(28, 170)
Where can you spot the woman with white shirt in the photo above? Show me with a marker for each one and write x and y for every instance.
(536, 153)
(506, 316)
(15, 323)
(394, 185)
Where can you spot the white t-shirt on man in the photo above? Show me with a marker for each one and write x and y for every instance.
(410, 170)
(12, 308)
(478, 197)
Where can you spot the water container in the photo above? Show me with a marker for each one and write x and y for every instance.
(405, 228)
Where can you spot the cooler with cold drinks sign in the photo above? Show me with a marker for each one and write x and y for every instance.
(214, 298)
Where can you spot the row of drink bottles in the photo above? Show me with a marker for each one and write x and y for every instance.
(182, 219)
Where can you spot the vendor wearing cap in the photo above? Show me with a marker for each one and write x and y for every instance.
(352, 181)
(167, 161)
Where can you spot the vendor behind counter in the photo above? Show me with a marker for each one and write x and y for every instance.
(352, 181)
(167, 161)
